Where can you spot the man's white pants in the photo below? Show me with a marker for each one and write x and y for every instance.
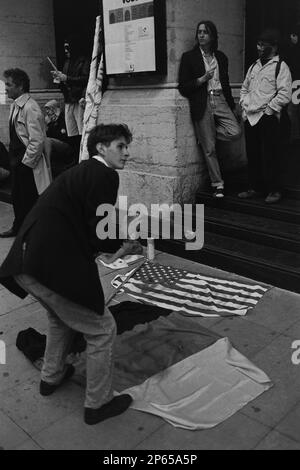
(74, 119)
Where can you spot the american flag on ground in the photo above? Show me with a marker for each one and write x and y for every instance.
(190, 293)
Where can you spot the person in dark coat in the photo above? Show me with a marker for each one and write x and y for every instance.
(4, 163)
(73, 81)
(203, 79)
(53, 259)
(62, 154)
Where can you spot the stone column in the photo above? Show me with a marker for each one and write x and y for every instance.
(166, 165)
(26, 39)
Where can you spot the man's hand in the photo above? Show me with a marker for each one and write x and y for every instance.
(82, 102)
(238, 114)
(59, 76)
(133, 247)
(107, 258)
(207, 76)
(129, 247)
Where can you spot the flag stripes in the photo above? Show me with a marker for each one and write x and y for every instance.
(192, 293)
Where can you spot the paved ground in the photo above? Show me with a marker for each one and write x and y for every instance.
(29, 421)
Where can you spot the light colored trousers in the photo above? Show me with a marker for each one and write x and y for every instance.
(217, 123)
(66, 317)
(74, 113)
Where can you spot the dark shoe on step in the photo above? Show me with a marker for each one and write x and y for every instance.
(249, 194)
(114, 407)
(47, 389)
(9, 233)
(272, 198)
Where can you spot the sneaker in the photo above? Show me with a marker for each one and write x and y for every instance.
(249, 194)
(219, 193)
(47, 389)
(273, 197)
(114, 407)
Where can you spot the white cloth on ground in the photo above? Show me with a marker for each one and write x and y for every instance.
(202, 390)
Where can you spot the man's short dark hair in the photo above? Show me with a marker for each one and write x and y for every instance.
(105, 134)
(212, 29)
(270, 36)
(19, 77)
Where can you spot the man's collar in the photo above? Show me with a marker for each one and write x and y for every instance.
(100, 159)
(203, 53)
(274, 59)
(22, 100)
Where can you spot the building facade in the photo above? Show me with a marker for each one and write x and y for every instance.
(165, 163)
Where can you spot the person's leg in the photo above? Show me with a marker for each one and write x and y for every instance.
(59, 335)
(227, 127)
(253, 149)
(24, 193)
(206, 135)
(100, 357)
(71, 124)
(99, 332)
(4, 157)
(271, 153)
(78, 114)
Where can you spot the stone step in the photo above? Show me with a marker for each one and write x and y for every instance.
(287, 210)
(280, 268)
(268, 232)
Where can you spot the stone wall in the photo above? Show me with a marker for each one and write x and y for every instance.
(27, 38)
(165, 163)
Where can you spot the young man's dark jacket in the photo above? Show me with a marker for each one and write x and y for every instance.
(57, 241)
(192, 67)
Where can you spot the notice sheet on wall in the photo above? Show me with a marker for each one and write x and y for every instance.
(129, 33)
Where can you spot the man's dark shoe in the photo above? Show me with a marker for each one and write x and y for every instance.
(249, 194)
(114, 407)
(47, 389)
(272, 198)
(9, 233)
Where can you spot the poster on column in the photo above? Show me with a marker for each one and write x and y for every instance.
(129, 35)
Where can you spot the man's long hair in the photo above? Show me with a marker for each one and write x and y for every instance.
(213, 32)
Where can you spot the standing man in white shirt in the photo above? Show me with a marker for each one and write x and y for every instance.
(267, 89)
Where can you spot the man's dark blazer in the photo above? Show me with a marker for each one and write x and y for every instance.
(57, 241)
(192, 67)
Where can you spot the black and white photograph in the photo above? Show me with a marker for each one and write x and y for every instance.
(149, 228)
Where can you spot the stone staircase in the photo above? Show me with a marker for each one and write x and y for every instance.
(250, 238)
